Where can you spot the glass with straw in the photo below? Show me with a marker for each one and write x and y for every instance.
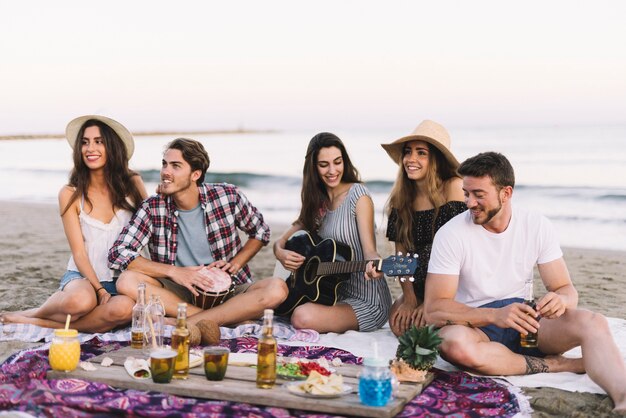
(64, 352)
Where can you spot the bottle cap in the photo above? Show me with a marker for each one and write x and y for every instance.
(375, 362)
(65, 332)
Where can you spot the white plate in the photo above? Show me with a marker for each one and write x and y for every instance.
(242, 359)
(294, 388)
(195, 360)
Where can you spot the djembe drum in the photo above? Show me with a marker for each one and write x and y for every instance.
(221, 289)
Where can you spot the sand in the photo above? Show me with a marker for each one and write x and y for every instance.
(34, 254)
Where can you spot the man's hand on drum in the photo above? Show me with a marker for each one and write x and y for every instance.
(192, 276)
(228, 266)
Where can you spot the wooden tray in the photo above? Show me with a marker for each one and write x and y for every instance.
(239, 385)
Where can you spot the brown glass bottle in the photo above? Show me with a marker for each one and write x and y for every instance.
(180, 343)
(529, 340)
(266, 362)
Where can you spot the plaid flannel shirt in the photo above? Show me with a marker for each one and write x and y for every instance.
(155, 225)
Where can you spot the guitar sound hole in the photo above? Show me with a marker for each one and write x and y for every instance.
(310, 271)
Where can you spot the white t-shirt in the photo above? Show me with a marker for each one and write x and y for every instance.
(493, 266)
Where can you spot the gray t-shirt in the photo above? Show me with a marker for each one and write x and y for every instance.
(193, 247)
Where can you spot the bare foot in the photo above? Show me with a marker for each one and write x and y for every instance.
(18, 318)
(7, 317)
(621, 411)
(560, 363)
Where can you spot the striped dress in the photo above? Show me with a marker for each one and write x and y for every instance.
(370, 299)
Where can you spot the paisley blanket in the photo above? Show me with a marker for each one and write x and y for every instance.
(23, 387)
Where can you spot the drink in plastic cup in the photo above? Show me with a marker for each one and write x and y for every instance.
(215, 362)
(65, 350)
(162, 364)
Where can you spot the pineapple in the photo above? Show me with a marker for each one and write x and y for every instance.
(416, 353)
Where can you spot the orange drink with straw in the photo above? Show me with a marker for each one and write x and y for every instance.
(64, 350)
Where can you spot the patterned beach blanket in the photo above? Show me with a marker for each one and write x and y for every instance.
(23, 387)
(283, 330)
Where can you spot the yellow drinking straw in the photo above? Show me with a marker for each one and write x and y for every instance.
(67, 322)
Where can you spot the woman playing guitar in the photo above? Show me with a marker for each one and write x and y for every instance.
(336, 205)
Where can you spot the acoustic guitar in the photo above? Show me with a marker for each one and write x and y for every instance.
(328, 264)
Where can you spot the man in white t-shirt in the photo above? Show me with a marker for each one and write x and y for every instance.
(479, 273)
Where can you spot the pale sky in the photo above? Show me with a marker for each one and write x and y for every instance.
(195, 65)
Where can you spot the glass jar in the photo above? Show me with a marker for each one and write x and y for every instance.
(65, 350)
(375, 382)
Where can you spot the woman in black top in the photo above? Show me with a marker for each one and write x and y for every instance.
(427, 193)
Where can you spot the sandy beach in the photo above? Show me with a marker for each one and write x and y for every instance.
(34, 255)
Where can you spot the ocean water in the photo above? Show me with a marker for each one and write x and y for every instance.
(574, 175)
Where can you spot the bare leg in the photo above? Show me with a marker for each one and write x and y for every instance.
(602, 358)
(337, 318)
(129, 280)
(29, 313)
(471, 349)
(77, 299)
(262, 294)
(117, 311)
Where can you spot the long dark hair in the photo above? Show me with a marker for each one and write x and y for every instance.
(116, 172)
(314, 195)
(404, 193)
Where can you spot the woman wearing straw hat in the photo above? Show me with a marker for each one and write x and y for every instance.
(336, 205)
(427, 193)
(95, 205)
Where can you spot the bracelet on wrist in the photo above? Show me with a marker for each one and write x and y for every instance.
(99, 289)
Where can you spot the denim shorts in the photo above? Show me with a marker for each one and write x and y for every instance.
(508, 336)
(74, 275)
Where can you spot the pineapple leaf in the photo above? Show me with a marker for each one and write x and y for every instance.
(418, 347)
(423, 351)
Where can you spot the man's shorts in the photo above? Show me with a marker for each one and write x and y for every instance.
(74, 275)
(185, 294)
(508, 336)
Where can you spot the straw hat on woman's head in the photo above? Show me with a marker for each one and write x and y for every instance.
(72, 129)
(427, 131)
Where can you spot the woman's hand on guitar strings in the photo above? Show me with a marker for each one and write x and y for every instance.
(290, 260)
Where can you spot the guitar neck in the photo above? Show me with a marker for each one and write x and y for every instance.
(329, 268)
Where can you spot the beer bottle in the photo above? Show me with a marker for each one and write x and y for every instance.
(136, 329)
(529, 340)
(266, 363)
(180, 343)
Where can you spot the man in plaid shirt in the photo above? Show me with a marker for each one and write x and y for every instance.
(191, 226)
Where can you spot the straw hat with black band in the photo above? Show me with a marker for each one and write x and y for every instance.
(427, 131)
(71, 132)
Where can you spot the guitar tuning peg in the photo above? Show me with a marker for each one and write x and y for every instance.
(411, 279)
(415, 256)
(399, 253)
(402, 279)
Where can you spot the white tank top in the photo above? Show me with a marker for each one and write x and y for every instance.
(99, 237)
